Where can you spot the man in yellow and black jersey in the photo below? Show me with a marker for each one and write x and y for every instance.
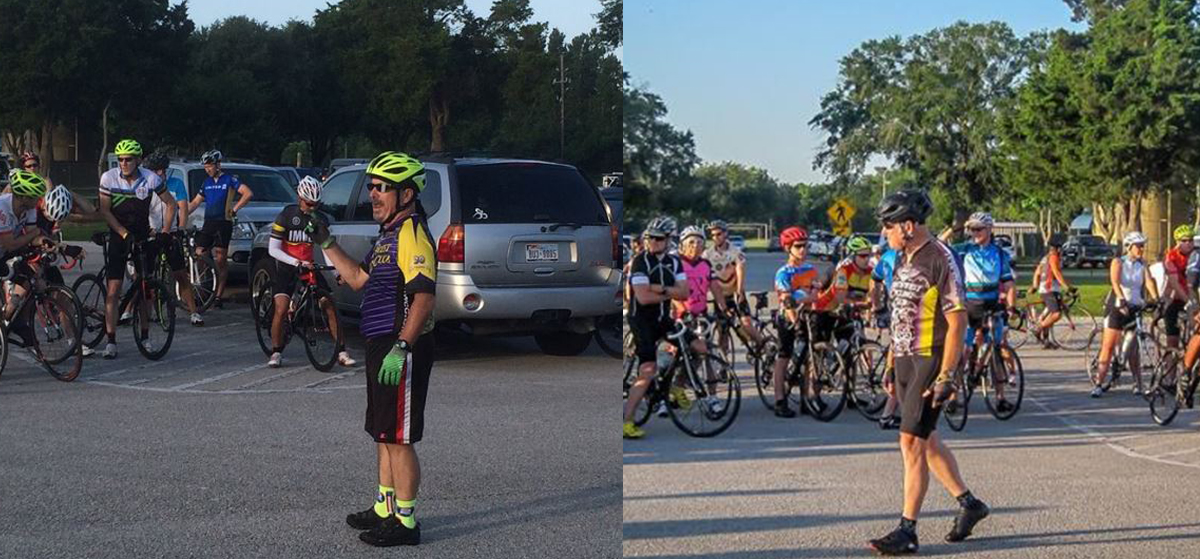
(399, 275)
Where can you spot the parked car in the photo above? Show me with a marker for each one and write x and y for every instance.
(738, 242)
(612, 197)
(271, 194)
(773, 245)
(524, 247)
(821, 245)
(1005, 243)
(291, 174)
(1082, 250)
(345, 162)
(873, 238)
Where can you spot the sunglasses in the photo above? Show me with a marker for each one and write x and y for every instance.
(32, 166)
(867, 255)
(383, 188)
(653, 238)
(800, 245)
(976, 229)
(125, 159)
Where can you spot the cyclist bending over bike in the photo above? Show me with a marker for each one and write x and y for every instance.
(292, 249)
(795, 286)
(729, 265)
(17, 211)
(990, 286)
(1128, 277)
(657, 277)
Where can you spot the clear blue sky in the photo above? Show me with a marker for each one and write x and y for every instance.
(746, 77)
(572, 17)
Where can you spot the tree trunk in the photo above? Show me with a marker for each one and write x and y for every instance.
(45, 149)
(439, 116)
(102, 163)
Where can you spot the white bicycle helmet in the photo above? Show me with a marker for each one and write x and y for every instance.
(1134, 238)
(980, 219)
(212, 156)
(309, 189)
(57, 203)
(691, 231)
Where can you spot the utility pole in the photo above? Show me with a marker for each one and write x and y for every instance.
(562, 108)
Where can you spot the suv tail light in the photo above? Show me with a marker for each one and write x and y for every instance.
(450, 246)
(616, 243)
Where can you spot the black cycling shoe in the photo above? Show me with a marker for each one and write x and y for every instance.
(391, 532)
(1004, 406)
(899, 542)
(218, 303)
(365, 520)
(782, 410)
(966, 520)
(889, 423)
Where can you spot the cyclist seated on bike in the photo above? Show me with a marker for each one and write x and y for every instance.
(990, 286)
(1175, 295)
(729, 265)
(699, 272)
(168, 238)
(795, 286)
(17, 211)
(657, 278)
(292, 249)
(52, 208)
(1128, 276)
(125, 192)
(1048, 283)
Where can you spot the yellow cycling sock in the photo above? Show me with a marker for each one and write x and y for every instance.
(384, 501)
(406, 512)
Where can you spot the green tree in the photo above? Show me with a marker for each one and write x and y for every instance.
(656, 156)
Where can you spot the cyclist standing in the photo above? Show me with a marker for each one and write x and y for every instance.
(729, 264)
(657, 278)
(158, 162)
(220, 211)
(399, 275)
(1049, 282)
(1175, 294)
(125, 192)
(292, 249)
(928, 323)
(795, 286)
(1127, 276)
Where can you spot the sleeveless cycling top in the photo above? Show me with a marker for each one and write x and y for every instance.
(1048, 283)
(699, 274)
(1132, 277)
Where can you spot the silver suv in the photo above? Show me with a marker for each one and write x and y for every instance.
(523, 247)
(271, 194)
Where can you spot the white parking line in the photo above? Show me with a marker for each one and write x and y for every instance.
(140, 367)
(286, 373)
(333, 378)
(223, 376)
(1096, 435)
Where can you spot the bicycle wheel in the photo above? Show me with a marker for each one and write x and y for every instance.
(1091, 357)
(608, 334)
(642, 414)
(867, 365)
(1165, 395)
(55, 319)
(3, 346)
(1004, 372)
(958, 407)
(1074, 329)
(764, 368)
(90, 291)
(1019, 325)
(153, 319)
(316, 332)
(262, 324)
(203, 273)
(714, 397)
(825, 389)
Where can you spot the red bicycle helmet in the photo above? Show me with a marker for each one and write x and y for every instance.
(791, 235)
(27, 155)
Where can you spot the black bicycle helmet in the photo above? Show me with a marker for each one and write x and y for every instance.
(905, 205)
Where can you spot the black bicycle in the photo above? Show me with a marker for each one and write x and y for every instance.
(700, 391)
(305, 318)
(992, 367)
(867, 361)
(48, 319)
(151, 304)
(817, 375)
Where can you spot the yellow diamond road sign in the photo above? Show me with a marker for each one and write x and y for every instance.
(841, 212)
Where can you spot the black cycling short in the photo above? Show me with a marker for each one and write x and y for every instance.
(174, 251)
(1171, 317)
(286, 276)
(1120, 318)
(788, 333)
(915, 375)
(647, 333)
(740, 309)
(215, 234)
(1052, 301)
(118, 251)
(396, 414)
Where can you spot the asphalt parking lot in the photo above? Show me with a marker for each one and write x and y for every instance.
(209, 453)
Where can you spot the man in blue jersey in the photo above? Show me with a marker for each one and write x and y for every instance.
(219, 213)
(881, 282)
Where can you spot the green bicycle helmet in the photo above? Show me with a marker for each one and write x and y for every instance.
(396, 167)
(25, 183)
(1184, 232)
(128, 147)
(858, 244)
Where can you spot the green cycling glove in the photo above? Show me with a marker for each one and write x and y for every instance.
(392, 371)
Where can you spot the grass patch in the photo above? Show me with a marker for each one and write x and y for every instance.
(756, 244)
(1092, 291)
(81, 231)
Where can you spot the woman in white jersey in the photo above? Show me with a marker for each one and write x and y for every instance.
(1127, 276)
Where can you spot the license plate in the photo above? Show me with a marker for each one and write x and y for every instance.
(541, 253)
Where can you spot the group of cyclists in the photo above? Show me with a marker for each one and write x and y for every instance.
(145, 211)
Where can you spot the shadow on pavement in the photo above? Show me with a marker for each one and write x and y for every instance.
(496, 516)
(718, 494)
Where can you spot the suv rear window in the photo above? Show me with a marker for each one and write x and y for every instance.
(527, 193)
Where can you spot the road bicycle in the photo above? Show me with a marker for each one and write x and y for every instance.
(305, 318)
(1136, 338)
(1073, 330)
(151, 304)
(48, 319)
(817, 375)
(992, 367)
